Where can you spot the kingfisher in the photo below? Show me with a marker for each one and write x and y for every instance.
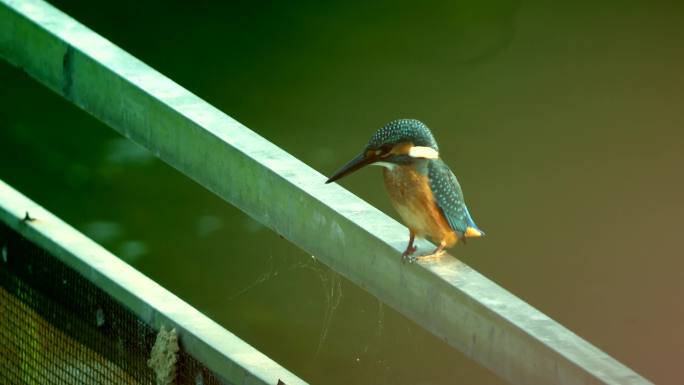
(422, 188)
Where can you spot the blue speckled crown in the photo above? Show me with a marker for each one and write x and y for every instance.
(403, 130)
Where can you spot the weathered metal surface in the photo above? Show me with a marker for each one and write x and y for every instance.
(453, 301)
(225, 354)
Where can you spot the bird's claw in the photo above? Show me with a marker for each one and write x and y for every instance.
(406, 256)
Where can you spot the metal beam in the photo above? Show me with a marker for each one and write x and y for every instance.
(222, 352)
(448, 298)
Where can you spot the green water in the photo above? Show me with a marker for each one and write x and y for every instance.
(563, 122)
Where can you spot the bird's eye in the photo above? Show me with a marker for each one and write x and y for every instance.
(386, 149)
(381, 151)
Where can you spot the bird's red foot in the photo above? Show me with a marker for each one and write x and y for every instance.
(436, 255)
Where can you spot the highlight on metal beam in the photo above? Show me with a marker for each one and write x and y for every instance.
(448, 298)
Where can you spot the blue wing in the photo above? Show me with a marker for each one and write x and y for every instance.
(449, 197)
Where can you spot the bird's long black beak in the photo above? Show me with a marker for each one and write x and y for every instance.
(358, 162)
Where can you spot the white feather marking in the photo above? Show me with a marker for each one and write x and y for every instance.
(387, 165)
(423, 152)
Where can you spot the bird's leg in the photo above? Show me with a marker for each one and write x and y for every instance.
(435, 254)
(410, 249)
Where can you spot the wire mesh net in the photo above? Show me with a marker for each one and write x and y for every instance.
(56, 327)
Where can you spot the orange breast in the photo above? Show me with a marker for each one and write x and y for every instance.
(411, 196)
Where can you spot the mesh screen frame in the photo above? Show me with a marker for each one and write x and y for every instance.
(45, 303)
(35, 245)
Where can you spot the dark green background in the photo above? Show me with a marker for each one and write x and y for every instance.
(563, 122)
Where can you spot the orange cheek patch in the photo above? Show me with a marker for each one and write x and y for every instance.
(401, 148)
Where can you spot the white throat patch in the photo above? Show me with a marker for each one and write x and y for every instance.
(423, 152)
(387, 165)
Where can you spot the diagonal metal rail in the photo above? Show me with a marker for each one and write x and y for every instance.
(448, 298)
